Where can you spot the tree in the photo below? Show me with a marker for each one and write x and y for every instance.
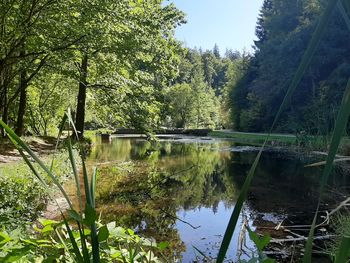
(284, 29)
(179, 101)
(140, 42)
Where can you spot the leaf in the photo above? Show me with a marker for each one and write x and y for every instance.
(163, 245)
(343, 252)
(90, 215)
(74, 215)
(103, 233)
(47, 228)
(260, 242)
(46, 222)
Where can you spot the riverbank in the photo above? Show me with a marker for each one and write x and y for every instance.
(42, 146)
(302, 141)
(22, 197)
(259, 138)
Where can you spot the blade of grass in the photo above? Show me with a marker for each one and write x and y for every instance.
(72, 239)
(60, 130)
(343, 251)
(86, 184)
(24, 146)
(324, 162)
(76, 175)
(93, 187)
(71, 122)
(304, 64)
(236, 211)
(340, 126)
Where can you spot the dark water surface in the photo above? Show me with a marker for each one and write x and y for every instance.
(183, 191)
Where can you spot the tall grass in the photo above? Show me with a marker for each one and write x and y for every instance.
(338, 132)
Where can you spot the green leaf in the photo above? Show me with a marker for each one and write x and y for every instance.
(90, 215)
(47, 228)
(74, 215)
(343, 252)
(163, 245)
(103, 233)
(260, 242)
(46, 222)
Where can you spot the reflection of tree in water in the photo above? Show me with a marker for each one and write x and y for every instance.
(147, 193)
(281, 183)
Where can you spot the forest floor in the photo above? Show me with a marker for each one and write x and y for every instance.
(40, 145)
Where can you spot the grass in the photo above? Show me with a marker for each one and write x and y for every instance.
(309, 142)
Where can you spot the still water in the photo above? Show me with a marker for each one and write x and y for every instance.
(182, 190)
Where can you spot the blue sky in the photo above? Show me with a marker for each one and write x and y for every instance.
(229, 23)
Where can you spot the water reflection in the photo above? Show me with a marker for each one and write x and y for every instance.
(183, 190)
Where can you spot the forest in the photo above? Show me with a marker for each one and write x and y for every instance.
(284, 29)
(74, 187)
(130, 73)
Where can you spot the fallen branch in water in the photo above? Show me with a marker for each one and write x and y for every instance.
(324, 162)
(302, 238)
(346, 202)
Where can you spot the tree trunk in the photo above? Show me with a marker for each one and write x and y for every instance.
(80, 114)
(22, 103)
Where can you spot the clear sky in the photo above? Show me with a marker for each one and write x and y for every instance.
(229, 23)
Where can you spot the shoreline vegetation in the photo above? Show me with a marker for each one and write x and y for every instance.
(45, 145)
(40, 206)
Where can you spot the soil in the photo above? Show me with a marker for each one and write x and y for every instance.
(39, 145)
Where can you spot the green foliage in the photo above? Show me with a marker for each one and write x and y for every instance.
(202, 78)
(22, 197)
(129, 51)
(284, 29)
(179, 100)
(51, 242)
(260, 243)
(93, 238)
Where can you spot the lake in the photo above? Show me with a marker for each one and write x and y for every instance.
(182, 190)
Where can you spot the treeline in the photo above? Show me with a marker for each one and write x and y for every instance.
(283, 30)
(113, 63)
(104, 59)
(197, 96)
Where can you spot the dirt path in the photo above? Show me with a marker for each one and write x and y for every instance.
(40, 145)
